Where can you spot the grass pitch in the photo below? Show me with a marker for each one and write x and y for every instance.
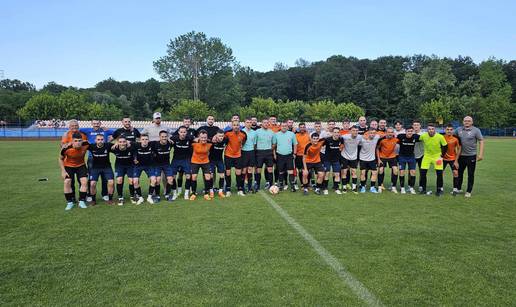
(406, 249)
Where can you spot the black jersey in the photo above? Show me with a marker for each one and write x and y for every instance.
(362, 130)
(100, 155)
(190, 132)
(407, 144)
(332, 152)
(217, 150)
(144, 155)
(130, 134)
(211, 130)
(182, 148)
(123, 157)
(161, 152)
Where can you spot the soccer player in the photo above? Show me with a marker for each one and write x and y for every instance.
(124, 165)
(435, 147)
(232, 154)
(302, 138)
(362, 125)
(345, 127)
(190, 133)
(155, 128)
(144, 162)
(249, 155)
(312, 162)
(290, 125)
(382, 126)
(264, 154)
(374, 124)
(333, 148)
(181, 161)
(367, 156)
(285, 146)
(349, 159)
(200, 161)
(130, 133)
(234, 117)
(71, 162)
(406, 159)
(162, 166)
(273, 123)
(100, 166)
(210, 127)
(469, 136)
(216, 160)
(451, 156)
(254, 123)
(73, 127)
(398, 128)
(419, 149)
(386, 153)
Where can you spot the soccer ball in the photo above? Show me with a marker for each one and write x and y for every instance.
(274, 189)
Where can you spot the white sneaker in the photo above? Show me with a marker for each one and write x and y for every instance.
(82, 205)
(285, 187)
(187, 195)
(240, 193)
(296, 187)
(174, 195)
(105, 198)
(89, 199)
(338, 192)
(120, 201)
(412, 191)
(380, 189)
(150, 200)
(325, 192)
(404, 192)
(140, 200)
(467, 195)
(179, 191)
(420, 189)
(394, 190)
(228, 194)
(133, 201)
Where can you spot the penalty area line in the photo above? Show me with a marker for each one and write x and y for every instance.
(354, 284)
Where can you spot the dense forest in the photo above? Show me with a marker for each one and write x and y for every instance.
(200, 75)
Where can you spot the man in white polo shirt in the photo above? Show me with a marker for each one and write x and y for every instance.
(153, 129)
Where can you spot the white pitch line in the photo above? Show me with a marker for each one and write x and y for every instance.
(354, 284)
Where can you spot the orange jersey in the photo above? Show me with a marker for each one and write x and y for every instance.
(453, 142)
(313, 152)
(67, 137)
(381, 133)
(74, 157)
(275, 128)
(344, 132)
(200, 153)
(302, 140)
(235, 141)
(387, 148)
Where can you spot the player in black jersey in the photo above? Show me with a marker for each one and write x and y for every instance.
(123, 166)
(144, 162)
(210, 128)
(182, 143)
(334, 146)
(216, 160)
(100, 166)
(191, 133)
(130, 133)
(162, 150)
(406, 159)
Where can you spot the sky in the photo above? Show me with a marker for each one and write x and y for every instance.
(79, 43)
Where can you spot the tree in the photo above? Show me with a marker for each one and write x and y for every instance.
(347, 110)
(54, 88)
(193, 56)
(16, 85)
(41, 106)
(103, 111)
(436, 111)
(195, 109)
(320, 110)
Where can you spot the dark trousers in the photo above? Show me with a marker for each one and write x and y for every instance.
(469, 162)
(102, 177)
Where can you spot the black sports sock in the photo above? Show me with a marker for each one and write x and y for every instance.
(402, 181)
(188, 184)
(276, 175)
(69, 197)
(394, 180)
(180, 180)
(373, 184)
(300, 175)
(82, 195)
(174, 184)
(209, 185)
(120, 190)
(325, 184)
(455, 182)
(221, 182)
(336, 184)
(345, 181)
(228, 182)
(131, 190)
(380, 179)
(110, 196)
(138, 192)
(362, 183)
(168, 187)
(268, 176)
(193, 184)
(439, 179)
(151, 190)
(239, 182)
(157, 190)
(292, 179)
(305, 185)
(258, 179)
(422, 179)
(249, 181)
(93, 198)
(354, 180)
(412, 181)
(318, 185)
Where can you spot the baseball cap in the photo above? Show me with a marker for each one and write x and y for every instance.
(156, 115)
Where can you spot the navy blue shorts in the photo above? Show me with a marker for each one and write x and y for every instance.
(149, 170)
(217, 165)
(335, 166)
(95, 173)
(164, 168)
(181, 165)
(122, 170)
(404, 161)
